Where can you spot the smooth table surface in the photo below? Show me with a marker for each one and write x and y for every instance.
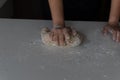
(24, 57)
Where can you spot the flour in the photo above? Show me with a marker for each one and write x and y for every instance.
(42, 67)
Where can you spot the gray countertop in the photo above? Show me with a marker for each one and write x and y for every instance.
(24, 57)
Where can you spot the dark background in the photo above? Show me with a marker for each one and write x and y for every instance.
(39, 9)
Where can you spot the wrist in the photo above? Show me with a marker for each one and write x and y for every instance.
(59, 23)
(113, 21)
(57, 26)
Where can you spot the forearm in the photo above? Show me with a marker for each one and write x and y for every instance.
(57, 12)
(115, 12)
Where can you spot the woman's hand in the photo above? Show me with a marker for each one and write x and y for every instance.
(60, 35)
(114, 29)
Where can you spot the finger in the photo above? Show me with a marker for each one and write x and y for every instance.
(74, 32)
(69, 29)
(55, 38)
(47, 30)
(66, 34)
(54, 34)
(118, 36)
(51, 34)
(61, 40)
(105, 31)
(114, 35)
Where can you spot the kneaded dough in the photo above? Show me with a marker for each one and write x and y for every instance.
(75, 40)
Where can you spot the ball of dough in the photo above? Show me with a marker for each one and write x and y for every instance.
(75, 40)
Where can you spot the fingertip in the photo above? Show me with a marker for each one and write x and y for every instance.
(115, 36)
(50, 35)
(61, 40)
(74, 32)
(114, 39)
(57, 43)
(54, 38)
(67, 35)
(61, 44)
(105, 34)
(118, 36)
(105, 30)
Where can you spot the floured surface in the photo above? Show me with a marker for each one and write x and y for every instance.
(24, 57)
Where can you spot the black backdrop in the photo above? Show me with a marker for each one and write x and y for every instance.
(39, 9)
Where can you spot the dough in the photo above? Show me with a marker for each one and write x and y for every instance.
(73, 42)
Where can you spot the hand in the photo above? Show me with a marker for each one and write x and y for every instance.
(114, 29)
(60, 35)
